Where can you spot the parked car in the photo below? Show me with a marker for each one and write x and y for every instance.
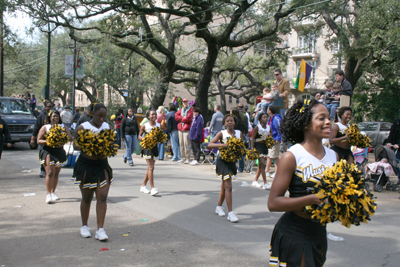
(378, 131)
(17, 114)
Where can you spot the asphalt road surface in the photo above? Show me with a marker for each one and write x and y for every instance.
(178, 227)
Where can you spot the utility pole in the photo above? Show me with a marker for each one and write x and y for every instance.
(47, 88)
(1, 50)
(74, 78)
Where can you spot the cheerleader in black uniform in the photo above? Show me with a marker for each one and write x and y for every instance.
(260, 133)
(93, 175)
(149, 154)
(226, 171)
(339, 135)
(296, 239)
(52, 158)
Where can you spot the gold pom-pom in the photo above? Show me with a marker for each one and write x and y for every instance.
(100, 144)
(56, 136)
(342, 190)
(269, 142)
(252, 154)
(150, 140)
(355, 138)
(235, 150)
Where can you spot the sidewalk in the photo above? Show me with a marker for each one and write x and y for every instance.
(34, 233)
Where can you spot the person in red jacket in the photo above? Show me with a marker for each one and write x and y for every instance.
(184, 118)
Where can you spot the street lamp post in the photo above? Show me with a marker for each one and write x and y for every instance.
(340, 34)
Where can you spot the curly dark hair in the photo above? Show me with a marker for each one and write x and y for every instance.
(226, 116)
(294, 122)
(342, 110)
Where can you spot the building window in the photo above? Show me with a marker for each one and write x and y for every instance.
(307, 44)
(335, 48)
(230, 99)
(237, 100)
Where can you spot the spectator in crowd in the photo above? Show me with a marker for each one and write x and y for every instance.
(216, 121)
(4, 135)
(172, 128)
(40, 121)
(77, 115)
(32, 102)
(27, 96)
(66, 117)
(273, 153)
(196, 134)
(59, 108)
(87, 116)
(283, 89)
(184, 116)
(118, 119)
(246, 119)
(129, 132)
(332, 100)
(345, 86)
(393, 142)
(161, 119)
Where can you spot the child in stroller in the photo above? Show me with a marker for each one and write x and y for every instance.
(381, 169)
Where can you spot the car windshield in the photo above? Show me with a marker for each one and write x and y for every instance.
(14, 106)
(368, 126)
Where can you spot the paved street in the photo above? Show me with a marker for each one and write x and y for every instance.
(176, 228)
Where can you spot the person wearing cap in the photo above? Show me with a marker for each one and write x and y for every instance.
(184, 117)
(66, 117)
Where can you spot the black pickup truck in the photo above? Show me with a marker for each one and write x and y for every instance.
(17, 114)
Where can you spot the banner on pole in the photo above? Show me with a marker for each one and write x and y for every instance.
(69, 67)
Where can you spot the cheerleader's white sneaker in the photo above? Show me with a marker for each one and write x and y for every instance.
(232, 217)
(256, 184)
(154, 191)
(101, 235)
(48, 199)
(220, 211)
(85, 231)
(54, 196)
(266, 186)
(144, 189)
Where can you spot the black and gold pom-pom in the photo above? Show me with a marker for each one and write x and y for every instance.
(342, 191)
(269, 142)
(235, 150)
(355, 138)
(150, 140)
(252, 154)
(100, 144)
(56, 136)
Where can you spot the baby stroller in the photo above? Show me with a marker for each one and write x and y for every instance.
(361, 159)
(380, 170)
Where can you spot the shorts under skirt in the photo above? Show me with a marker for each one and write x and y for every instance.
(57, 156)
(262, 149)
(343, 153)
(225, 170)
(150, 153)
(293, 236)
(91, 172)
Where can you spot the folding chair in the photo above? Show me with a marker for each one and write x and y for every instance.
(207, 155)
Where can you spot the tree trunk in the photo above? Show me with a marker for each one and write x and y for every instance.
(205, 78)
(351, 73)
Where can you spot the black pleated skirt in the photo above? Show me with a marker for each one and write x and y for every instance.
(261, 149)
(150, 153)
(57, 156)
(294, 236)
(343, 153)
(225, 170)
(90, 172)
